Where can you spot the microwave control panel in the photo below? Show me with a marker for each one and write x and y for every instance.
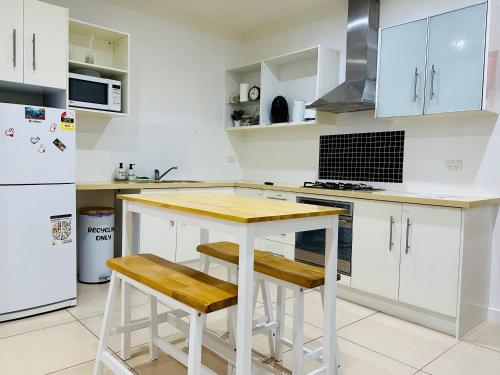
(116, 98)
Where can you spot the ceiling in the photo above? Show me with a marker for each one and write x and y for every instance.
(241, 20)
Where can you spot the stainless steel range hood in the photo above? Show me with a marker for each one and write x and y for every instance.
(357, 93)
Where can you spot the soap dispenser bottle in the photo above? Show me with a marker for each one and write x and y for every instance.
(131, 172)
(120, 173)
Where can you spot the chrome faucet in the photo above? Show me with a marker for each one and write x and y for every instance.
(157, 173)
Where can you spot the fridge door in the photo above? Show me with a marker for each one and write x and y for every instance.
(37, 246)
(37, 145)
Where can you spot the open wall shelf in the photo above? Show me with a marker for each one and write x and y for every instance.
(301, 75)
(111, 52)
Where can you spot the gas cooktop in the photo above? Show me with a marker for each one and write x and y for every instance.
(340, 186)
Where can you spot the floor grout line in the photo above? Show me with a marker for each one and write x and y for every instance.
(379, 353)
(68, 367)
(38, 329)
(439, 356)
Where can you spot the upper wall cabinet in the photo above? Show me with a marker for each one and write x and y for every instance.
(11, 41)
(34, 39)
(445, 63)
(401, 74)
(45, 44)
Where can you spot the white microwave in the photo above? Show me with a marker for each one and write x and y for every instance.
(95, 93)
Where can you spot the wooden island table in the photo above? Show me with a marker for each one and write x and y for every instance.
(246, 219)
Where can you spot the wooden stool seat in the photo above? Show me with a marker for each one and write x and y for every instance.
(189, 286)
(281, 268)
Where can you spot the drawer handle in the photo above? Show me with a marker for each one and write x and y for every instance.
(14, 47)
(408, 225)
(34, 51)
(391, 225)
(277, 199)
(415, 82)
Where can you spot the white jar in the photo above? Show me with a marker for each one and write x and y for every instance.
(244, 87)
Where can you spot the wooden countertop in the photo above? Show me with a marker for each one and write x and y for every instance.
(387, 196)
(231, 207)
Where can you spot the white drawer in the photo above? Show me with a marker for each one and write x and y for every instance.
(286, 238)
(278, 248)
(248, 192)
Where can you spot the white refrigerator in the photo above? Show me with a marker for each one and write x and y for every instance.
(37, 210)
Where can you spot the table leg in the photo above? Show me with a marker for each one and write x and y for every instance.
(330, 359)
(127, 249)
(246, 241)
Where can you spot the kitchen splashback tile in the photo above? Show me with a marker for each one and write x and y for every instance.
(376, 156)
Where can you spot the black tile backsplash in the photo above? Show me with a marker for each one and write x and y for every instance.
(374, 156)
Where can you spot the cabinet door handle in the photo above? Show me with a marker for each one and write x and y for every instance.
(408, 225)
(391, 225)
(14, 48)
(34, 51)
(415, 82)
(433, 73)
(277, 199)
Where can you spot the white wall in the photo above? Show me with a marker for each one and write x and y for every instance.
(177, 85)
(292, 155)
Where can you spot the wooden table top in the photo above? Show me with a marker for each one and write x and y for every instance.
(231, 207)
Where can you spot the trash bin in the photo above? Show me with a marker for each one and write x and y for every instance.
(95, 244)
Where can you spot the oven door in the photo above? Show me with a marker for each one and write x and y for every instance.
(310, 246)
(88, 92)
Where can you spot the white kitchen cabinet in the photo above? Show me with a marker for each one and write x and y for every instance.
(45, 44)
(430, 252)
(453, 47)
(401, 74)
(277, 248)
(248, 192)
(456, 52)
(285, 238)
(188, 237)
(158, 236)
(376, 248)
(11, 41)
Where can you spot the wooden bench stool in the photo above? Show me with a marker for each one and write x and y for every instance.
(285, 274)
(178, 286)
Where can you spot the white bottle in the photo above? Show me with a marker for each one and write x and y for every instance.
(120, 173)
(131, 172)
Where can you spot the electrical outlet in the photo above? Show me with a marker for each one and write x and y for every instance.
(231, 159)
(454, 165)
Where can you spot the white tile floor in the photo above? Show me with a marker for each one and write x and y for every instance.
(64, 342)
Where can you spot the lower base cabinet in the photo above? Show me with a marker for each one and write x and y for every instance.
(408, 253)
(376, 248)
(430, 256)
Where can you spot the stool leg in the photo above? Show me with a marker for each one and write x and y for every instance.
(336, 342)
(268, 310)
(106, 323)
(195, 339)
(153, 330)
(204, 263)
(125, 320)
(298, 331)
(232, 313)
(280, 318)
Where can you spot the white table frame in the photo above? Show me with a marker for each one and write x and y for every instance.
(245, 234)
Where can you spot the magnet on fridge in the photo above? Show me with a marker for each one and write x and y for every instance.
(35, 140)
(67, 121)
(41, 148)
(34, 114)
(61, 229)
(10, 132)
(53, 127)
(61, 146)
